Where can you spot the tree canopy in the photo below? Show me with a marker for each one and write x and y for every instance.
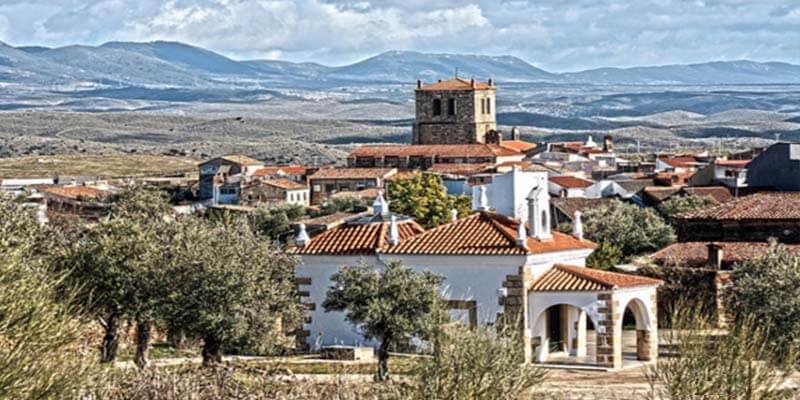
(676, 205)
(425, 198)
(630, 228)
(389, 305)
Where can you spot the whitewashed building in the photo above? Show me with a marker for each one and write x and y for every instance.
(494, 267)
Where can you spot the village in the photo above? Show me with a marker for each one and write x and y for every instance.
(583, 252)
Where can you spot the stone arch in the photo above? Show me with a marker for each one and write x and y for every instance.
(641, 312)
(646, 329)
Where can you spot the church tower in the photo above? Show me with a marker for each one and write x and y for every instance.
(456, 111)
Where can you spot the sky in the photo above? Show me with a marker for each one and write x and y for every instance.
(557, 35)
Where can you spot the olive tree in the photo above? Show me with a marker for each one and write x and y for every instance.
(631, 229)
(676, 205)
(232, 288)
(387, 305)
(425, 198)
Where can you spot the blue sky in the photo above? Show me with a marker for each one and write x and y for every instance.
(557, 35)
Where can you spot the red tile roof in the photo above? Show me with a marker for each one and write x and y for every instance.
(429, 150)
(75, 192)
(720, 194)
(353, 173)
(571, 182)
(267, 171)
(732, 163)
(568, 205)
(569, 278)
(518, 145)
(284, 184)
(695, 254)
(460, 168)
(241, 159)
(456, 84)
(680, 162)
(759, 206)
(354, 238)
(483, 233)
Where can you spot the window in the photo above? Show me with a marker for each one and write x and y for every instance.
(437, 107)
(488, 106)
(451, 107)
(483, 106)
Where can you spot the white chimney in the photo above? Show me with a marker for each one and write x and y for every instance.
(302, 238)
(539, 212)
(380, 207)
(522, 235)
(453, 215)
(483, 203)
(394, 234)
(577, 225)
(590, 142)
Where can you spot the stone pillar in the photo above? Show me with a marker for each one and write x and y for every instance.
(609, 335)
(646, 345)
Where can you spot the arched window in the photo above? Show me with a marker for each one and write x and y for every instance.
(437, 107)
(451, 107)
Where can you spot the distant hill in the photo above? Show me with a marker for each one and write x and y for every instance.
(178, 65)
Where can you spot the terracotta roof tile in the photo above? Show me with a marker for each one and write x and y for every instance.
(440, 150)
(695, 254)
(732, 163)
(456, 84)
(353, 238)
(720, 194)
(75, 192)
(680, 162)
(518, 145)
(759, 206)
(460, 169)
(568, 205)
(353, 173)
(483, 233)
(284, 184)
(571, 182)
(241, 159)
(571, 278)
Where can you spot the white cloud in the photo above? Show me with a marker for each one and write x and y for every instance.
(549, 33)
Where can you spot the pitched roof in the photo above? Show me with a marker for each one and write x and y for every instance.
(284, 184)
(429, 150)
(695, 254)
(357, 238)
(720, 194)
(759, 206)
(518, 145)
(680, 162)
(75, 192)
(370, 193)
(460, 168)
(241, 159)
(353, 173)
(570, 182)
(569, 278)
(483, 233)
(568, 205)
(732, 163)
(456, 84)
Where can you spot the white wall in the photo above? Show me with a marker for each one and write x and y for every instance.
(508, 192)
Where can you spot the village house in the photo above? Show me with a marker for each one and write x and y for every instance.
(328, 181)
(275, 191)
(72, 202)
(728, 173)
(681, 163)
(495, 269)
(777, 168)
(221, 177)
(568, 186)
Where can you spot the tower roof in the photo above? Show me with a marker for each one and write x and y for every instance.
(456, 84)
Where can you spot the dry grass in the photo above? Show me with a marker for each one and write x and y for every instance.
(105, 166)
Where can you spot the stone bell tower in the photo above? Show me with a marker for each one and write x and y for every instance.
(456, 111)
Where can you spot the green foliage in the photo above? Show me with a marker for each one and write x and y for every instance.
(231, 288)
(388, 306)
(744, 364)
(347, 204)
(682, 283)
(676, 205)
(632, 229)
(475, 364)
(41, 354)
(768, 288)
(425, 198)
(605, 257)
(275, 221)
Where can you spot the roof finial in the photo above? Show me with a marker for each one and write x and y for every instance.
(380, 207)
(455, 73)
(453, 215)
(522, 235)
(394, 235)
(577, 225)
(302, 238)
(483, 202)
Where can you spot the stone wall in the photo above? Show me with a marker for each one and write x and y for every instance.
(609, 336)
(468, 124)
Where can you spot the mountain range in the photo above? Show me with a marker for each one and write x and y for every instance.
(178, 65)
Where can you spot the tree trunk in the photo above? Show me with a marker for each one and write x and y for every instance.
(108, 350)
(212, 352)
(383, 361)
(143, 332)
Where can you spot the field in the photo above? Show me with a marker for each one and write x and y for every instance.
(101, 166)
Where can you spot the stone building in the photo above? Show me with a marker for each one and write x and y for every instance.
(215, 173)
(329, 181)
(455, 111)
(275, 191)
(427, 156)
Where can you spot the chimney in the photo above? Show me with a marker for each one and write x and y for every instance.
(608, 144)
(715, 255)
(491, 82)
(522, 235)
(394, 235)
(483, 202)
(380, 207)
(577, 225)
(453, 215)
(515, 135)
(472, 83)
(419, 84)
(302, 238)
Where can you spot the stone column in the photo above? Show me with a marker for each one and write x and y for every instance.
(609, 335)
(646, 345)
